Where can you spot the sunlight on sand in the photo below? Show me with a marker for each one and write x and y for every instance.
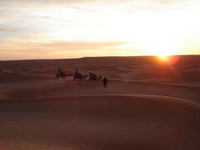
(168, 59)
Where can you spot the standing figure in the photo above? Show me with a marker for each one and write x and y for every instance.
(76, 71)
(59, 74)
(105, 81)
(92, 75)
(91, 71)
(100, 77)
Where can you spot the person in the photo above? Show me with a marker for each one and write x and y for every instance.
(76, 71)
(59, 72)
(91, 74)
(91, 71)
(105, 81)
(100, 77)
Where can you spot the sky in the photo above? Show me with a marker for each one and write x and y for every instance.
(48, 29)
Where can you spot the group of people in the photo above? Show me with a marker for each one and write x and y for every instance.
(78, 76)
(93, 77)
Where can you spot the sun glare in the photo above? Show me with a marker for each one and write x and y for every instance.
(164, 54)
(165, 48)
(163, 57)
(170, 59)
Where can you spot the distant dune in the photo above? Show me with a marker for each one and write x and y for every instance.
(148, 105)
(123, 68)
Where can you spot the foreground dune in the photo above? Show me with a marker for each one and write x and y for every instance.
(107, 122)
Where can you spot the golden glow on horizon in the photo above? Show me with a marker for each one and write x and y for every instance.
(169, 60)
(163, 58)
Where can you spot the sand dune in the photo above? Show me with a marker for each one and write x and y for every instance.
(146, 106)
(101, 122)
(52, 88)
(123, 68)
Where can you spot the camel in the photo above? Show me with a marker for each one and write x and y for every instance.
(62, 75)
(79, 76)
(93, 77)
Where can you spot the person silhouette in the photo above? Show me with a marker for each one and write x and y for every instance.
(100, 77)
(59, 70)
(105, 81)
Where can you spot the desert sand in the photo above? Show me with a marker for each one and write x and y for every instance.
(148, 105)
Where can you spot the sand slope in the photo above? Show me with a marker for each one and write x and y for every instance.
(101, 122)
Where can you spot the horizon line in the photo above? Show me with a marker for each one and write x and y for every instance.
(94, 57)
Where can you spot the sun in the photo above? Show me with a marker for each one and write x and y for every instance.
(165, 48)
(163, 57)
(164, 54)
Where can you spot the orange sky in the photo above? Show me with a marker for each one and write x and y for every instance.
(35, 29)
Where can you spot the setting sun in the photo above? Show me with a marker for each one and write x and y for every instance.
(169, 60)
(163, 57)
(166, 49)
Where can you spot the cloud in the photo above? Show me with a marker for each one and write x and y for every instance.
(41, 2)
(28, 50)
(80, 45)
(44, 3)
(53, 46)
(9, 29)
